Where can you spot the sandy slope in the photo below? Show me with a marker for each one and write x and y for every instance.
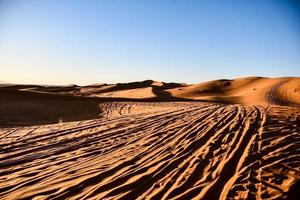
(26, 108)
(176, 151)
(35, 104)
(114, 147)
(251, 90)
(263, 91)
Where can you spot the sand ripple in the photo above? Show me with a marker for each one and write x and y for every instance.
(182, 151)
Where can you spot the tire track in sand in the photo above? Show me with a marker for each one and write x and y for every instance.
(188, 151)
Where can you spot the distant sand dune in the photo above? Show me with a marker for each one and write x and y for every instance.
(252, 90)
(281, 90)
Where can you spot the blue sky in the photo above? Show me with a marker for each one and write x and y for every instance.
(85, 41)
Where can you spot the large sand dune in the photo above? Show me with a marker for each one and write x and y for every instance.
(233, 139)
(251, 90)
(263, 91)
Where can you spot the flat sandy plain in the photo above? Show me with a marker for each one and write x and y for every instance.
(223, 139)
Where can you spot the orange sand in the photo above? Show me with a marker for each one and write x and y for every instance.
(224, 139)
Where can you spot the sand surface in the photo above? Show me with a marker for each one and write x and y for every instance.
(239, 140)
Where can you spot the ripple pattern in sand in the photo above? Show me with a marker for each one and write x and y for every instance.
(194, 151)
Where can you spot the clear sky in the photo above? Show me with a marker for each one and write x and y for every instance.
(86, 41)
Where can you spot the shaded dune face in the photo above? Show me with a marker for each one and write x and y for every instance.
(18, 108)
(171, 150)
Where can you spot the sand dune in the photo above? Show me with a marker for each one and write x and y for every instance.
(234, 139)
(263, 91)
(27, 108)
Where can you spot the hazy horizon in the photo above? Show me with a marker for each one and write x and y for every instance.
(138, 80)
(86, 42)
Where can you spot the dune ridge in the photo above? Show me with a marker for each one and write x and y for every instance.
(283, 90)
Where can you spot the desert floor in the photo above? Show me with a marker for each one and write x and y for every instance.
(153, 150)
